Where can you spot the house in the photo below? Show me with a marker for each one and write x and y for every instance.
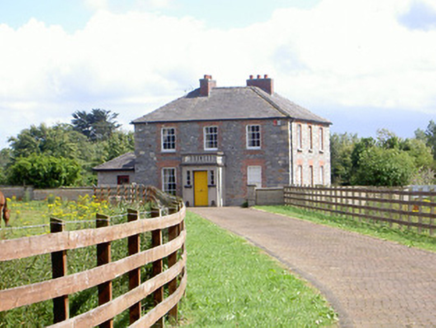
(213, 142)
(120, 170)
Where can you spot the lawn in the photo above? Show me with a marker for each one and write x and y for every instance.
(231, 283)
(400, 235)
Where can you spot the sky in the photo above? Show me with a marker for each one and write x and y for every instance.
(362, 64)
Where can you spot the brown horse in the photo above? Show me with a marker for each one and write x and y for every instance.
(4, 208)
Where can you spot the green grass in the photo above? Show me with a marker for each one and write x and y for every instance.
(382, 231)
(35, 269)
(233, 284)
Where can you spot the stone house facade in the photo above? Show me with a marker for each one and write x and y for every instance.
(210, 144)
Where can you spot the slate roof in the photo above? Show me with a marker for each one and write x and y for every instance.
(229, 103)
(125, 162)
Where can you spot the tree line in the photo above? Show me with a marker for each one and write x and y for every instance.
(386, 160)
(64, 154)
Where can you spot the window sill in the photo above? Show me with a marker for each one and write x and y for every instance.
(299, 150)
(168, 151)
(321, 151)
(310, 150)
(212, 186)
(188, 186)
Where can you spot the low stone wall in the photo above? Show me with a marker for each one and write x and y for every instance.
(41, 194)
(269, 196)
(265, 196)
(18, 192)
(64, 193)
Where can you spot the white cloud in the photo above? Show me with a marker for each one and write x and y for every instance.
(96, 4)
(155, 3)
(353, 53)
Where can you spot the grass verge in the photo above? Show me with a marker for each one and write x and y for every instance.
(233, 284)
(382, 231)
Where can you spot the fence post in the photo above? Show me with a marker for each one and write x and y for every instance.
(432, 212)
(156, 240)
(104, 257)
(61, 309)
(173, 232)
(135, 274)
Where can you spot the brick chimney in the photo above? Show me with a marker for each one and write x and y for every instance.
(206, 85)
(265, 83)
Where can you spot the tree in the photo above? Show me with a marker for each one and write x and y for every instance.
(419, 151)
(119, 143)
(59, 140)
(99, 124)
(45, 171)
(384, 167)
(341, 147)
(431, 137)
(5, 161)
(428, 136)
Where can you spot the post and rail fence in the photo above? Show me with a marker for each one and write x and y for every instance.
(395, 207)
(171, 276)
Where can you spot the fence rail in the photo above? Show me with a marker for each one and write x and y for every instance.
(395, 207)
(62, 285)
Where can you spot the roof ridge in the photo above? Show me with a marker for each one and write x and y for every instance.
(268, 100)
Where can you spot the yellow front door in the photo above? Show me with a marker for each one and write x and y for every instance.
(200, 189)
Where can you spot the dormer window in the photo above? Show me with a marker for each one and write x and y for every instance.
(210, 135)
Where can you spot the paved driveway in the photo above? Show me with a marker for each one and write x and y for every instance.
(369, 282)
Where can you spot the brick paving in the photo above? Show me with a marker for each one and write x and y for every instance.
(369, 282)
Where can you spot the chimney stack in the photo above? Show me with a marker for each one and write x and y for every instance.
(265, 83)
(206, 85)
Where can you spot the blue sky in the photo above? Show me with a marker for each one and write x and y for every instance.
(363, 64)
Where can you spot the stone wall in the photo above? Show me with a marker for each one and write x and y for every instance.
(64, 193)
(273, 156)
(17, 192)
(111, 177)
(315, 157)
(269, 196)
(41, 194)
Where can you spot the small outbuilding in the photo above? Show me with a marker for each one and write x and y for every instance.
(120, 170)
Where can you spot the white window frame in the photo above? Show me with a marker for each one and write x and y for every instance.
(254, 175)
(169, 186)
(299, 175)
(311, 176)
(310, 133)
(207, 137)
(166, 144)
(321, 139)
(251, 136)
(299, 136)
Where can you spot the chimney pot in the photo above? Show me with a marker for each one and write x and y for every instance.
(258, 76)
(265, 76)
(251, 77)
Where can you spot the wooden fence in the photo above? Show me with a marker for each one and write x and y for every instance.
(58, 289)
(394, 207)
